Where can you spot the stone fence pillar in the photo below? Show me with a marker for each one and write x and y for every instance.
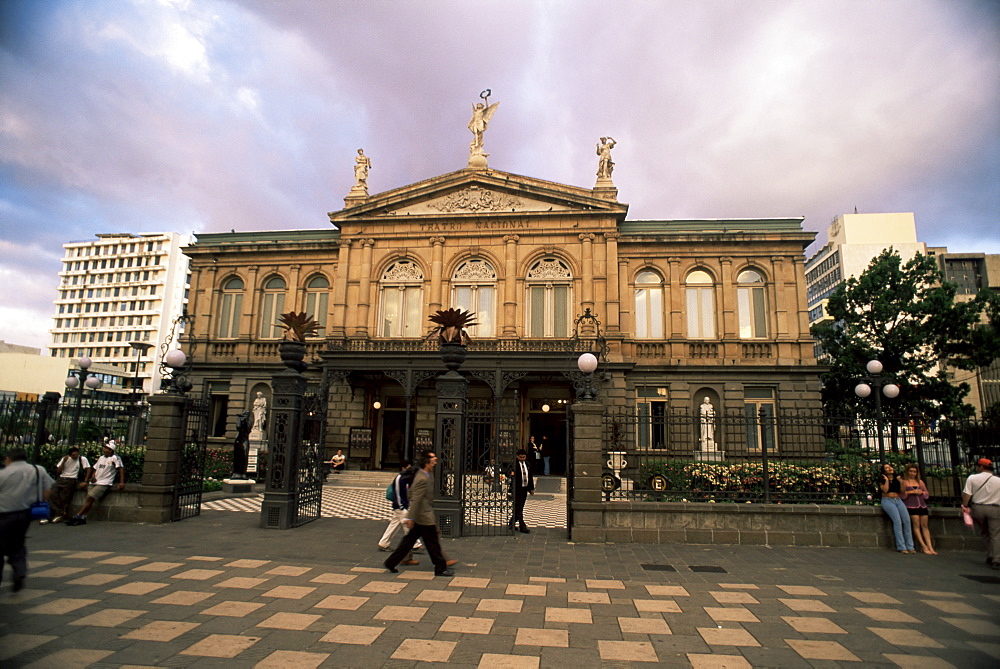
(588, 463)
(164, 445)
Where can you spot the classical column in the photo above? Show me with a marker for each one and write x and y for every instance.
(614, 294)
(364, 288)
(727, 305)
(294, 276)
(587, 253)
(510, 287)
(337, 326)
(676, 287)
(251, 306)
(786, 295)
(204, 288)
(437, 253)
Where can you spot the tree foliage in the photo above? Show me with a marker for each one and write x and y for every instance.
(906, 316)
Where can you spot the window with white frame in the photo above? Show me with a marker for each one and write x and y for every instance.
(549, 286)
(272, 304)
(648, 305)
(230, 308)
(473, 286)
(402, 300)
(752, 303)
(700, 289)
(317, 298)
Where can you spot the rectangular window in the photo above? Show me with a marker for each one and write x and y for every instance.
(758, 410)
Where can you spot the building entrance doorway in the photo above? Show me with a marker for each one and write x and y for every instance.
(393, 436)
(550, 430)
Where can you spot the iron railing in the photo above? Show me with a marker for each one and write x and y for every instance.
(767, 456)
(123, 420)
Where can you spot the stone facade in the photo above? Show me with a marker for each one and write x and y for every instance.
(685, 309)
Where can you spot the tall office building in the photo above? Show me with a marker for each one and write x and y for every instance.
(118, 298)
(853, 241)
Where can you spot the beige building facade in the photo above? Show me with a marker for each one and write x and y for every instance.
(679, 310)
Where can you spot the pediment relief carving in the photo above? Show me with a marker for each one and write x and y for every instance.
(476, 199)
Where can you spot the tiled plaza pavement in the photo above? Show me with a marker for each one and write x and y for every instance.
(218, 591)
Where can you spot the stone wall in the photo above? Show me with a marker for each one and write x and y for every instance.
(756, 525)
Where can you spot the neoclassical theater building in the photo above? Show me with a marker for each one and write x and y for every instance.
(679, 310)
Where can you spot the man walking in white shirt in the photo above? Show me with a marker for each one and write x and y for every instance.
(981, 496)
(21, 485)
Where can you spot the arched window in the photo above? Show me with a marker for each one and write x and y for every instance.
(230, 308)
(549, 283)
(648, 305)
(272, 303)
(700, 305)
(317, 296)
(401, 312)
(473, 288)
(752, 302)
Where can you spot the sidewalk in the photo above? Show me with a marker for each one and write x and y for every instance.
(216, 590)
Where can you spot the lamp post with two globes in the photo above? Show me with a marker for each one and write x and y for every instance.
(879, 384)
(80, 378)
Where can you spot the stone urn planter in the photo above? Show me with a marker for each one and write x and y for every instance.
(453, 355)
(292, 354)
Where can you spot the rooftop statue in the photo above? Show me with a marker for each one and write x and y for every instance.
(604, 165)
(482, 113)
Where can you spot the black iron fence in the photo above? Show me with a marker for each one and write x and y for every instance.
(759, 455)
(68, 421)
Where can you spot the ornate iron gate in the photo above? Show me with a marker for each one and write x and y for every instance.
(191, 472)
(488, 456)
(309, 490)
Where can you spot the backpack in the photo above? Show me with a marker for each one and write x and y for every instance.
(390, 492)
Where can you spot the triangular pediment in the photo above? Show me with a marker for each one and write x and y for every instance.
(477, 193)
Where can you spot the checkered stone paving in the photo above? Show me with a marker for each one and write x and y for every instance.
(541, 510)
(107, 608)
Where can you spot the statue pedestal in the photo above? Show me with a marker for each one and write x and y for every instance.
(710, 455)
(254, 447)
(477, 161)
(605, 189)
(238, 485)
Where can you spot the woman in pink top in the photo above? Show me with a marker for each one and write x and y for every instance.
(914, 494)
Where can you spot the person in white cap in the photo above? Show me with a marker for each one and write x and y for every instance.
(981, 496)
(107, 468)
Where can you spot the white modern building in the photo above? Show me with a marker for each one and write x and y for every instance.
(119, 296)
(853, 241)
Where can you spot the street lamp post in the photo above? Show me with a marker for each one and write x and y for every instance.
(80, 378)
(142, 348)
(883, 385)
(587, 363)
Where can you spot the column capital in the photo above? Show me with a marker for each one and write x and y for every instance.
(511, 239)
(612, 236)
(587, 236)
(726, 260)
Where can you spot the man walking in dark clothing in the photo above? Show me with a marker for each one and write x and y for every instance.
(420, 520)
(523, 482)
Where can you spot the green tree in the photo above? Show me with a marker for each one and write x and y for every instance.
(906, 316)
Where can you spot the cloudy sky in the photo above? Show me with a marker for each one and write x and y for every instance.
(211, 115)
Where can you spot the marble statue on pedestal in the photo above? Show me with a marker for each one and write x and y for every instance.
(362, 164)
(707, 412)
(259, 414)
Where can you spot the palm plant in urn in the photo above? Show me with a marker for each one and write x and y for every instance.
(450, 330)
(297, 327)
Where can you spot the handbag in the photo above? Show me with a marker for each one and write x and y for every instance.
(40, 509)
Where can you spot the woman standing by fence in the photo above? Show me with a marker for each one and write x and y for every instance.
(891, 488)
(915, 498)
